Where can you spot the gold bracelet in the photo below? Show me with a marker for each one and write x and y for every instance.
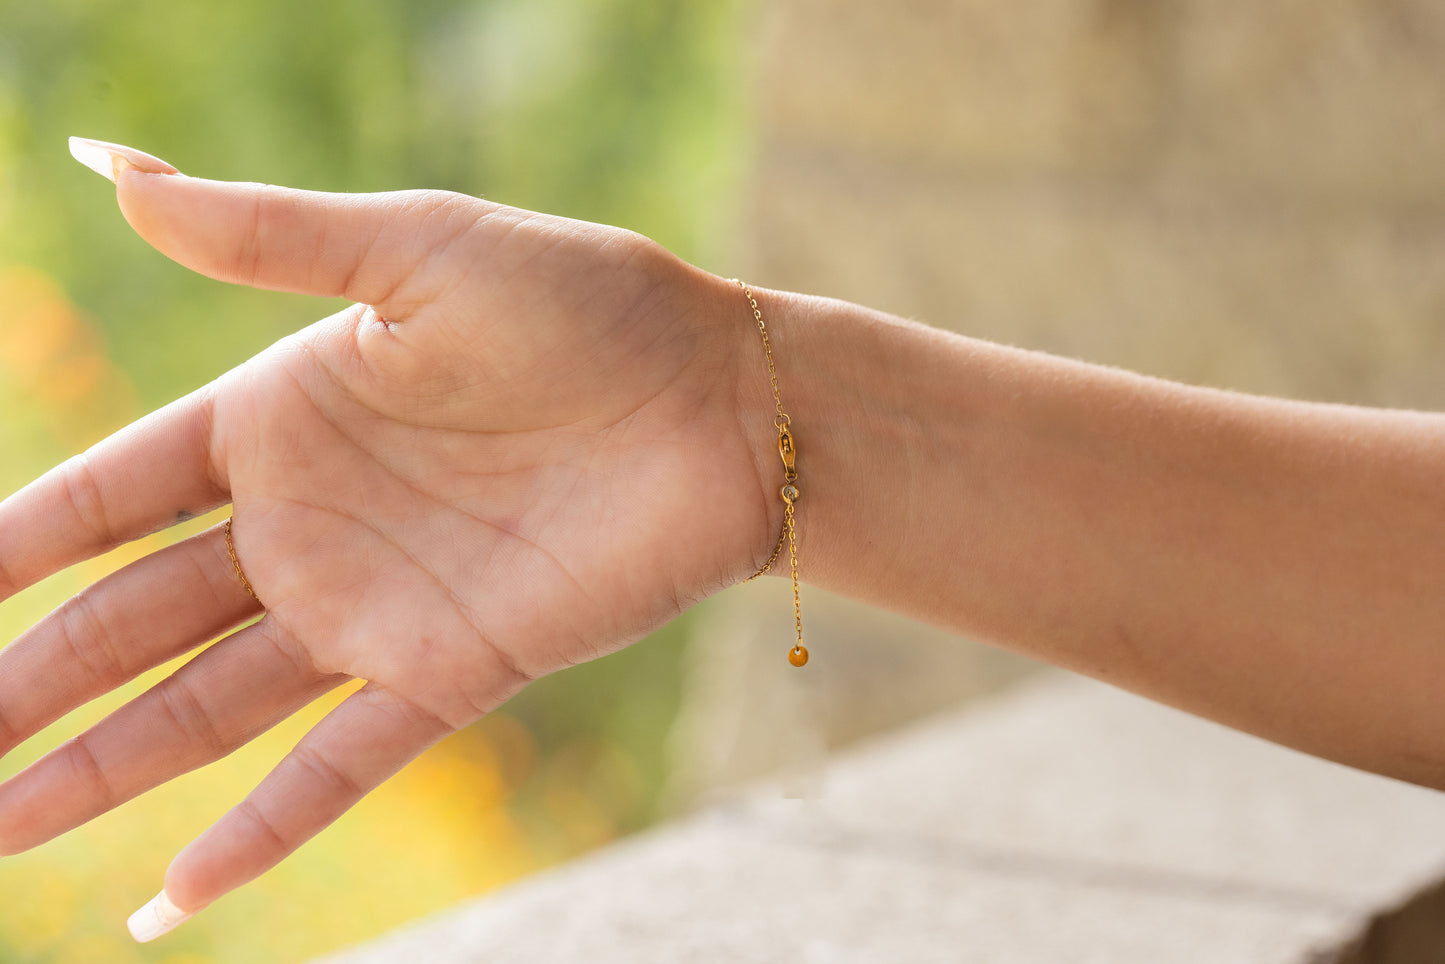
(788, 449)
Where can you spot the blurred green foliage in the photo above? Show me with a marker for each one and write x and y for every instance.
(622, 111)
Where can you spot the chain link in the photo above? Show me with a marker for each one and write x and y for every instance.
(787, 448)
(767, 566)
(236, 564)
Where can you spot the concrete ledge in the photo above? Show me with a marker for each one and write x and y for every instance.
(1065, 822)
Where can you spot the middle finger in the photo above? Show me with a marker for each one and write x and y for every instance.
(132, 620)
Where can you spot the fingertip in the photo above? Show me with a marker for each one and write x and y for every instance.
(189, 220)
(142, 197)
(187, 883)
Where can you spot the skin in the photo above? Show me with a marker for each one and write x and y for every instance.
(533, 440)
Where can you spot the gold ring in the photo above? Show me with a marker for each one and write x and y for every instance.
(236, 564)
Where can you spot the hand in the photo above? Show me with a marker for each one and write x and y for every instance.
(519, 450)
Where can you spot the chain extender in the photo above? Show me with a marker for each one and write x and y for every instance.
(788, 450)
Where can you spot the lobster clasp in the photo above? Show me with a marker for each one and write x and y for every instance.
(788, 451)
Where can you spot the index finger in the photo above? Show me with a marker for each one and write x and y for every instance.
(150, 475)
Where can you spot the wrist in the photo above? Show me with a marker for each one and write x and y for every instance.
(847, 377)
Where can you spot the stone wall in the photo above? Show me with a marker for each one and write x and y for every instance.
(1066, 821)
(1242, 194)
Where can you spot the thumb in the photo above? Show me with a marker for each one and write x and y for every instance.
(361, 247)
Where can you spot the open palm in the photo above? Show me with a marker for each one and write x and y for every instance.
(518, 451)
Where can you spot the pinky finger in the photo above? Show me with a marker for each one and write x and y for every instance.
(354, 749)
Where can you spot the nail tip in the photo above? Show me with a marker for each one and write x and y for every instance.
(110, 160)
(141, 931)
(157, 918)
(93, 155)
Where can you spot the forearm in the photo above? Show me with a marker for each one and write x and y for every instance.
(1274, 565)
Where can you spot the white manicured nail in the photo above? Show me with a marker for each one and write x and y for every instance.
(108, 160)
(158, 917)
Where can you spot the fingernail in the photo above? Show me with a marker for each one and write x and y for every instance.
(158, 917)
(110, 160)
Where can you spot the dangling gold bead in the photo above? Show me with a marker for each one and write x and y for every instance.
(789, 493)
(798, 655)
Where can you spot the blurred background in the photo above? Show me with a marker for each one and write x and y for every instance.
(1248, 195)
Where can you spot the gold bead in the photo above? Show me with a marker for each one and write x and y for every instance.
(789, 493)
(797, 655)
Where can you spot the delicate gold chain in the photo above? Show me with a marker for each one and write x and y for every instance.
(236, 564)
(788, 449)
